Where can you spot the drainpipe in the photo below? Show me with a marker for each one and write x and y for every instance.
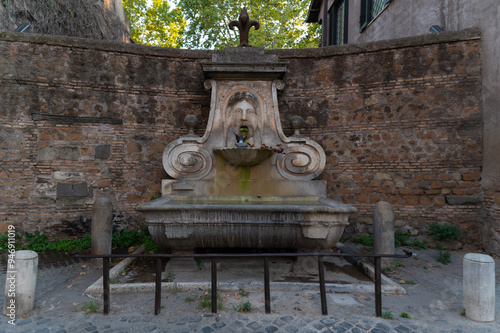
(324, 26)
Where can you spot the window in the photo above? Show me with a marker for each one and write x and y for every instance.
(338, 23)
(369, 10)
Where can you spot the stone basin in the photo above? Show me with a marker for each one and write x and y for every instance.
(187, 223)
(243, 157)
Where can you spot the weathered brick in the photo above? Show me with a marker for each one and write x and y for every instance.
(385, 139)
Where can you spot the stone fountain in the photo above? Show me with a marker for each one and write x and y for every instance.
(244, 184)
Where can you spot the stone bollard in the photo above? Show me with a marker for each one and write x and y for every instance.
(102, 228)
(383, 231)
(20, 284)
(479, 287)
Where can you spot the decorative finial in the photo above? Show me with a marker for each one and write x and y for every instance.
(244, 24)
(297, 123)
(190, 121)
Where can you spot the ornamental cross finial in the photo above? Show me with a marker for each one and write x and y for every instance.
(244, 24)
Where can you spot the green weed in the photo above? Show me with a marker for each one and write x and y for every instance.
(243, 307)
(401, 239)
(444, 257)
(366, 240)
(388, 315)
(444, 232)
(419, 245)
(90, 307)
(243, 293)
(405, 315)
(206, 301)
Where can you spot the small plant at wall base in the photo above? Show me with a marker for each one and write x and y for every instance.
(444, 232)
(366, 240)
(40, 242)
(401, 239)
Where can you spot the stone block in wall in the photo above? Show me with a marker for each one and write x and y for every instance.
(64, 190)
(47, 154)
(72, 190)
(69, 153)
(80, 190)
(103, 151)
(459, 200)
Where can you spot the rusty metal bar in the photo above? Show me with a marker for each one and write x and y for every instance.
(246, 255)
(378, 288)
(105, 284)
(267, 289)
(322, 288)
(158, 287)
(214, 286)
(214, 256)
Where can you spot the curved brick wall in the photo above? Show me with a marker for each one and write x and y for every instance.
(400, 121)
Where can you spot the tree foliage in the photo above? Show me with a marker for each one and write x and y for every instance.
(155, 23)
(204, 23)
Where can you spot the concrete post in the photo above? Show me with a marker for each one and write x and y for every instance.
(20, 284)
(383, 231)
(102, 228)
(479, 287)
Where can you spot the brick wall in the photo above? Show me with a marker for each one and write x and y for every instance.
(400, 121)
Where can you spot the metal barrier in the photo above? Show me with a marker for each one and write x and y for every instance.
(266, 256)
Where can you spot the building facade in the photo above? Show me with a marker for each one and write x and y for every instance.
(361, 21)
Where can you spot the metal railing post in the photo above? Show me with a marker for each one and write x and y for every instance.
(105, 284)
(322, 289)
(158, 287)
(378, 288)
(214, 286)
(267, 289)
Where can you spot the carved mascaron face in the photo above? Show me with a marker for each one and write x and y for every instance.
(243, 118)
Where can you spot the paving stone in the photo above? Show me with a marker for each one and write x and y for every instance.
(218, 325)
(328, 321)
(254, 325)
(43, 330)
(291, 329)
(195, 319)
(287, 319)
(383, 327)
(357, 330)
(319, 326)
(402, 329)
(43, 321)
(90, 328)
(207, 329)
(338, 329)
(23, 322)
(346, 325)
(271, 329)
(300, 323)
(238, 324)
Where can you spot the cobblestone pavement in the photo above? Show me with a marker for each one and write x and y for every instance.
(434, 303)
